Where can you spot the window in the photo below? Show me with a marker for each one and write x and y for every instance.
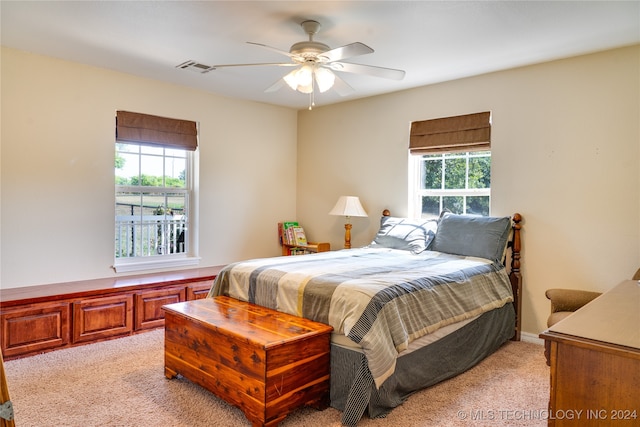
(457, 182)
(450, 165)
(154, 195)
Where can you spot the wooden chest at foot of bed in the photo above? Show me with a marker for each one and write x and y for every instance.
(264, 362)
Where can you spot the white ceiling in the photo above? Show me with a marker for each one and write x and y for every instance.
(433, 41)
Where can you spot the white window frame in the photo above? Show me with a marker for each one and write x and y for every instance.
(416, 192)
(168, 261)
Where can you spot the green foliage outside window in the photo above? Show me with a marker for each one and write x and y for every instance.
(453, 181)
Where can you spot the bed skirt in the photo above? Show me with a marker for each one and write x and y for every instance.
(352, 388)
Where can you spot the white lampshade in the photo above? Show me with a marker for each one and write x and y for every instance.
(292, 79)
(348, 206)
(325, 79)
(301, 79)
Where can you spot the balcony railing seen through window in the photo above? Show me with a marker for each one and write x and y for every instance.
(150, 235)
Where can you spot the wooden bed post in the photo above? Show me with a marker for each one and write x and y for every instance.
(515, 276)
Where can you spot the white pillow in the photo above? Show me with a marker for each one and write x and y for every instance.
(413, 235)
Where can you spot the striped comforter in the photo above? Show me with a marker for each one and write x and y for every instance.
(382, 299)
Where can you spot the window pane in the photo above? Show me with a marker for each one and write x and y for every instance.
(126, 167)
(453, 203)
(176, 204)
(454, 173)
(152, 225)
(151, 171)
(478, 205)
(430, 206)
(170, 152)
(432, 174)
(128, 204)
(131, 148)
(480, 172)
(153, 204)
(176, 226)
(175, 172)
(127, 216)
(149, 149)
(149, 224)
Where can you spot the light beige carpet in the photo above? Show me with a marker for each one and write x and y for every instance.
(121, 383)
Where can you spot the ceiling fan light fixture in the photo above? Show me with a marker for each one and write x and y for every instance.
(301, 79)
(306, 88)
(291, 79)
(324, 78)
(305, 75)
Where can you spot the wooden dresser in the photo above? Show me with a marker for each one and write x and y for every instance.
(594, 355)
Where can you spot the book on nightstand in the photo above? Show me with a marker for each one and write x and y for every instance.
(293, 240)
(300, 238)
(285, 232)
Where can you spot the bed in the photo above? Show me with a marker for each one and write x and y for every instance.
(425, 301)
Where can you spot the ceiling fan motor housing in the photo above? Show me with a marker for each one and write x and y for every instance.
(309, 49)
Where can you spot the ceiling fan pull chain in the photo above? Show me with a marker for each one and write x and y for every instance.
(312, 97)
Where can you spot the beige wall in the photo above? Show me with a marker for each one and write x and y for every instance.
(57, 168)
(565, 148)
(566, 145)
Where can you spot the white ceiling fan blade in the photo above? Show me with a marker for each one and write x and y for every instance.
(344, 52)
(342, 88)
(276, 86)
(275, 49)
(370, 70)
(272, 64)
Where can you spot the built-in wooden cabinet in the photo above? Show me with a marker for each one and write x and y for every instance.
(32, 328)
(149, 313)
(198, 290)
(95, 319)
(48, 317)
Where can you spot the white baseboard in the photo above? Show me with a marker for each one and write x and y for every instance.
(532, 338)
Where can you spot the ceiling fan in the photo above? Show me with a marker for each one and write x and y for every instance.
(316, 62)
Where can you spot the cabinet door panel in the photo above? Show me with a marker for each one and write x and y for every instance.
(103, 317)
(34, 328)
(149, 313)
(198, 290)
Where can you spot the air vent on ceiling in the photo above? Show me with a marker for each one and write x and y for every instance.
(195, 66)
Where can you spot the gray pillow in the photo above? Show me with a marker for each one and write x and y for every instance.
(470, 235)
(407, 234)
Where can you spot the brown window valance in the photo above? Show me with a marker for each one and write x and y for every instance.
(155, 130)
(471, 132)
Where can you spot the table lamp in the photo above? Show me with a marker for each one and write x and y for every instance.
(348, 206)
